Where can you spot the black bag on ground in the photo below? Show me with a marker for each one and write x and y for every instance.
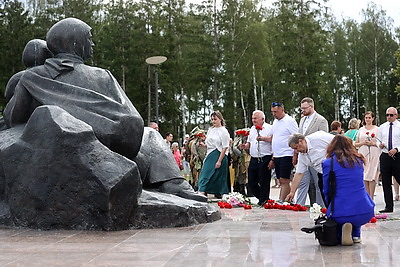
(325, 228)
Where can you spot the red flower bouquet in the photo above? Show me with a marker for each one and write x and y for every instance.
(271, 204)
(235, 199)
(258, 128)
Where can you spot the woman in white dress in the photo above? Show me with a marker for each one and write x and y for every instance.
(214, 173)
(367, 146)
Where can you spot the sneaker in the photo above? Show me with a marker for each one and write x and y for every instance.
(347, 240)
(356, 239)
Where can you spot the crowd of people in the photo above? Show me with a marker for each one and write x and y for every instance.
(299, 154)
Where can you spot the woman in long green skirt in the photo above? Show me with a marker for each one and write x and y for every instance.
(214, 173)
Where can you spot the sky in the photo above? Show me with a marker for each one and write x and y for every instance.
(352, 8)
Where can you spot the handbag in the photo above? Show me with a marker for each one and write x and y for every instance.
(325, 228)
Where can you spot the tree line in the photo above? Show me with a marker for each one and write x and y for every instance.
(235, 56)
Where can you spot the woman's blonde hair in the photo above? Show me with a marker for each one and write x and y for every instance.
(353, 123)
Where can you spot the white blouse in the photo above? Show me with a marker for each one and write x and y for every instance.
(217, 138)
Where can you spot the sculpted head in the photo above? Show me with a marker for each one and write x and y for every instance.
(35, 53)
(71, 36)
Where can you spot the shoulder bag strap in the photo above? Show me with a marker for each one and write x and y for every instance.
(332, 186)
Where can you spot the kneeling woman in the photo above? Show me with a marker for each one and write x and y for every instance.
(353, 207)
(214, 173)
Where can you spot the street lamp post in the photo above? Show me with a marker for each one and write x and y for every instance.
(156, 60)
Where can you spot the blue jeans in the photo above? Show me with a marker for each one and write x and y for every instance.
(303, 188)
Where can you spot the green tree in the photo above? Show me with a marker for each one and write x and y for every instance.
(15, 31)
(377, 47)
(301, 55)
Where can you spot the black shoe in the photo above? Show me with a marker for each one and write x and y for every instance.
(385, 210)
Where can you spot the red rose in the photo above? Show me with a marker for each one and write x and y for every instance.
(200, 135)
(373, 220)
(304, 208)
(258, 127)
(323, 210)
(228, 206)
(295, 208)
(247, 207)
(373, 135)
(367, 133)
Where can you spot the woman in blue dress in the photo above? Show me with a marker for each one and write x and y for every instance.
(353, 207)
(214, 173)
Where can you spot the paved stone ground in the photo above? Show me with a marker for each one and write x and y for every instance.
(256, 237)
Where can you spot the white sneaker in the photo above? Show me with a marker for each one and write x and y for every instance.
(347, 240)
(356, 239)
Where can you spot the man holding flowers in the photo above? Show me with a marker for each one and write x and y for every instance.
(259, 174)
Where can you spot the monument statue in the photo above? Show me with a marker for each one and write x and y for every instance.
(76, 153)
(35, 54)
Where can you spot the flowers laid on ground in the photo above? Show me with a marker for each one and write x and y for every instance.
(382, 216)
(271, 204)
(316, 211)
(377, 217)
(234, 199)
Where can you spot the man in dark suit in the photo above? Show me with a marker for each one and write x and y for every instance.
(389, 137)
(310, 122)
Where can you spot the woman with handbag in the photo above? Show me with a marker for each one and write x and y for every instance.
(353, 207)
(214, 173)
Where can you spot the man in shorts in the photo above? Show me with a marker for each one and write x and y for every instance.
(282, 127)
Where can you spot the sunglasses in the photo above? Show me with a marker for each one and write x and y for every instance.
(276, 104)
(390, 115)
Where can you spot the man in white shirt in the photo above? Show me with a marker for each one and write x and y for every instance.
(389, 135)
(259, 174)
(282, 127)
(312, 151)
(311, 122)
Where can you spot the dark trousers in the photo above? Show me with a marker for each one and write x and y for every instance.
(260, 178)
(389, 167)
